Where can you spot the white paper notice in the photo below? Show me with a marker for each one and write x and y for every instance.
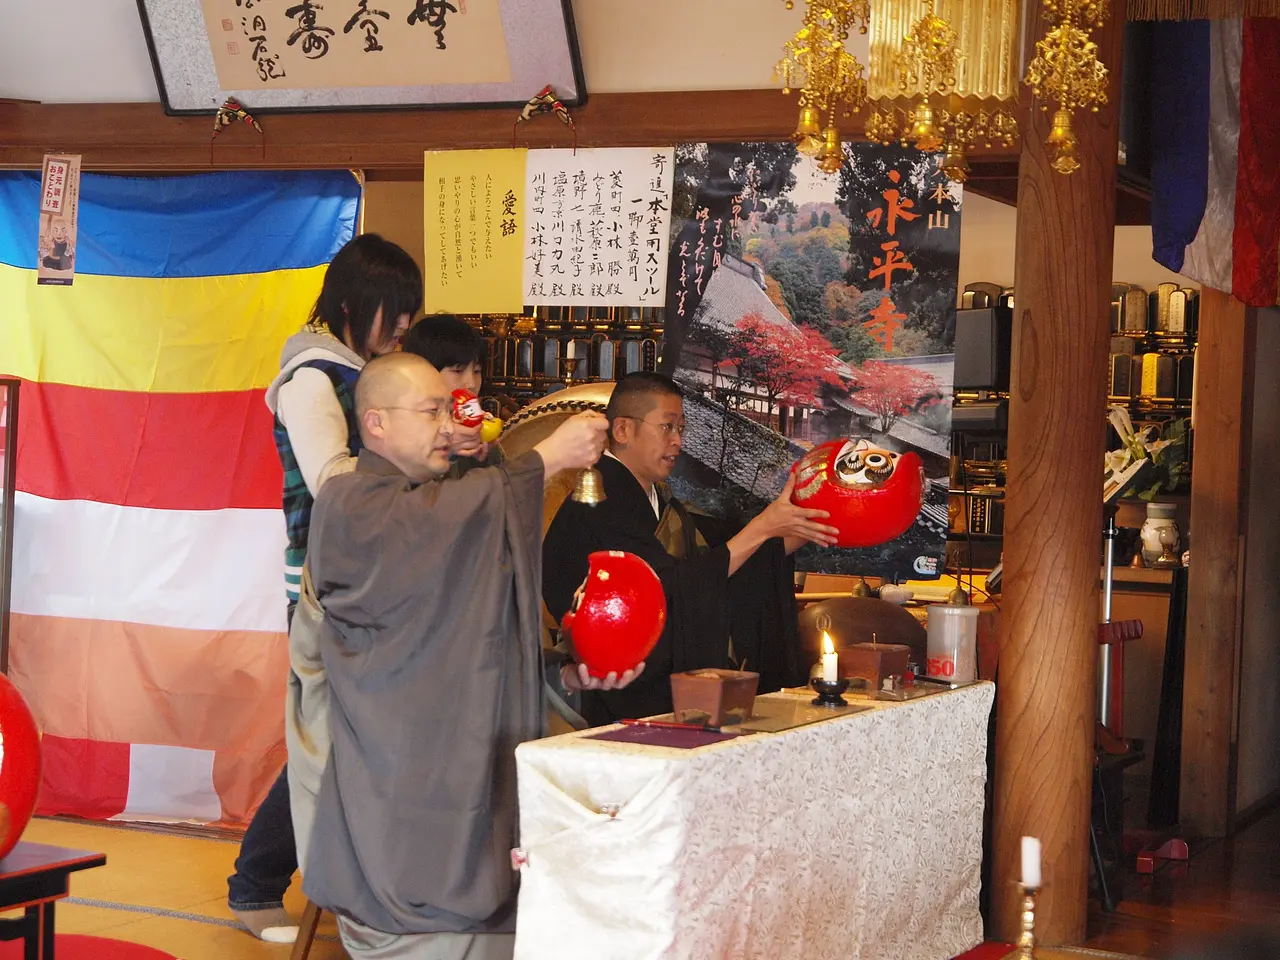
(598, 226)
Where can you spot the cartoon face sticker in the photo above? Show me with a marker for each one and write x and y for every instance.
(863, 466)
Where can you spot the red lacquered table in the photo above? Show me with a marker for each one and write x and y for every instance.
(33, 877)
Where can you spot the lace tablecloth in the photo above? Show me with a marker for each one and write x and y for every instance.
(858, 837)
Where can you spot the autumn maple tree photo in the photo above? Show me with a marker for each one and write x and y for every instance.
(890, 390)
(786, 364)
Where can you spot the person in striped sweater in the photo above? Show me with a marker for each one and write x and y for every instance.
(371, 291)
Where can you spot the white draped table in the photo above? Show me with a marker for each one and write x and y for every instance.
(856, 838)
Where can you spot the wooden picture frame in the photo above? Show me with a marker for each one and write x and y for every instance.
(277, 56)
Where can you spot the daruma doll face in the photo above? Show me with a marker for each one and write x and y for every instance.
(872, 494)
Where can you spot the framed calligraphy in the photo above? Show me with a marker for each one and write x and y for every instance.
(303, 55)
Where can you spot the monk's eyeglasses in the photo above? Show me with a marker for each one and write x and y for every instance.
(439, 414)
(664, 427)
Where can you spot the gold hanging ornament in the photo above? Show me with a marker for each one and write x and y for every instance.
(938, 88)
(830, 78)
(1066, 70)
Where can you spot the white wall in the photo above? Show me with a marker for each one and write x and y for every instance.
(96, 51)
(988, 238)
(1259, 730)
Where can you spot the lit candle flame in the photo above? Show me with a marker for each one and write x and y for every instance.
(827, 645)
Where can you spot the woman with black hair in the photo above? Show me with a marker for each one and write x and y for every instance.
(371, 291)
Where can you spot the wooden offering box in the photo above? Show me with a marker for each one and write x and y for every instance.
(713, 697)
(873, 662)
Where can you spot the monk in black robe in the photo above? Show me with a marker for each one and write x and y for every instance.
(416, 670)
(730, 598)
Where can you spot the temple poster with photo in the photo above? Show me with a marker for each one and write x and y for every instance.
(303, 44)
(803, 308)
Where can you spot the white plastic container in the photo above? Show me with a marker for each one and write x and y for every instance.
(953, 643)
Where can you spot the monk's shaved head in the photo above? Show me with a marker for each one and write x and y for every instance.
(388, 380)
(636, 394)
(403, 407)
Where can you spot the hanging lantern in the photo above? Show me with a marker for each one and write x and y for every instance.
(830, 78)
(944, 72)
(1066, 70)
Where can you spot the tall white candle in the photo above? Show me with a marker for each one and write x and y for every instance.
(830, 661)
(1031, 862)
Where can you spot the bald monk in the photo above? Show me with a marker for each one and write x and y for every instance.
(417, 669)
(730, 595)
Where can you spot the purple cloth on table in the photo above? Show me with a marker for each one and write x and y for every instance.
(664, 736)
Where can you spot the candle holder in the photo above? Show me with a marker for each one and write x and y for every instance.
(829, 692)
(1027, 938)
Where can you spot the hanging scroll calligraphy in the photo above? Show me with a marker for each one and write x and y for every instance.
(59, 220)
(324, 54)
(803, 308)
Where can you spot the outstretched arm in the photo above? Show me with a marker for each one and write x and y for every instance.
(782, 518)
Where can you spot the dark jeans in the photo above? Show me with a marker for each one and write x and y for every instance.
(268, 855)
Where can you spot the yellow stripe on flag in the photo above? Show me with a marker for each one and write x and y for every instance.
(185, 335)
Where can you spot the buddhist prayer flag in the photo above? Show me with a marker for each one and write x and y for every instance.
(148, 615)
(474, 226)
(1215, 150)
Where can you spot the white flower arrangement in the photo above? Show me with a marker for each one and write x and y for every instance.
(1148, 460)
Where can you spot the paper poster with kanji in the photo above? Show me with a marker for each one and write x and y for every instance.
(803, 308)
(598, 227)
(59, 220)
(474, 230)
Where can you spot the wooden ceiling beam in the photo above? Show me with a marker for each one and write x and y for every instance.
(140, 138)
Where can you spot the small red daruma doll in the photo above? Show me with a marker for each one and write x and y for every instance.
(873, 495)
(467, 412)
(618, 613)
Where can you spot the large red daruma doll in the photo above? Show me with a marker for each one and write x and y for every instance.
(873, 495)
(19, 765)
(618, 613)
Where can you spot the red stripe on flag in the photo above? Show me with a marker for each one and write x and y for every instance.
(1256, 242)
(166, 451)
(83, 778)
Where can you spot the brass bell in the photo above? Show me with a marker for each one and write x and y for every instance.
(1062, 144)
(955, 165)
(832, 156)
(924, 132)
(589, 487)
(808, 135)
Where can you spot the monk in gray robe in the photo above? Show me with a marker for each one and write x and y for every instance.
(417, 669)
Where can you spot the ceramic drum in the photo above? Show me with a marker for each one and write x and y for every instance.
(873, 495)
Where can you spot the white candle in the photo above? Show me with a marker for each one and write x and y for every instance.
(830, 661)
(1030, 862)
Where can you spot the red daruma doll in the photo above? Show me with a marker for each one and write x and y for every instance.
(618, 613)
(468, 412)
(873, 495)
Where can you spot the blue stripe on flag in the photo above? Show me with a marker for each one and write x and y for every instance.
(1179, 136)
(204, 225)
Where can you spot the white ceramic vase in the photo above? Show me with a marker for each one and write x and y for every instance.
(1159, 515)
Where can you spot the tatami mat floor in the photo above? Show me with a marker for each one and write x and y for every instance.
(164, 891)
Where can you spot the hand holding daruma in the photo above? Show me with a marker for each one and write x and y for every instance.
(872, 495)
(618, 613)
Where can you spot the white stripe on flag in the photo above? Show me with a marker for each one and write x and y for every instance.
(1208, 258)
(195, 569)
(170, 784)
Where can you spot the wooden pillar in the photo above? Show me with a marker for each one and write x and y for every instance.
(1053, 520)
(1224, 375)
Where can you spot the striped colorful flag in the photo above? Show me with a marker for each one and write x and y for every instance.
(148, 611)
(1215, 152)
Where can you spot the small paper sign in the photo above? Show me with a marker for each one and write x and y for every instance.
(59, 217)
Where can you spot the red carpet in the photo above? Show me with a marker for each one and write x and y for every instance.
(71, 946)
(988, 951)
